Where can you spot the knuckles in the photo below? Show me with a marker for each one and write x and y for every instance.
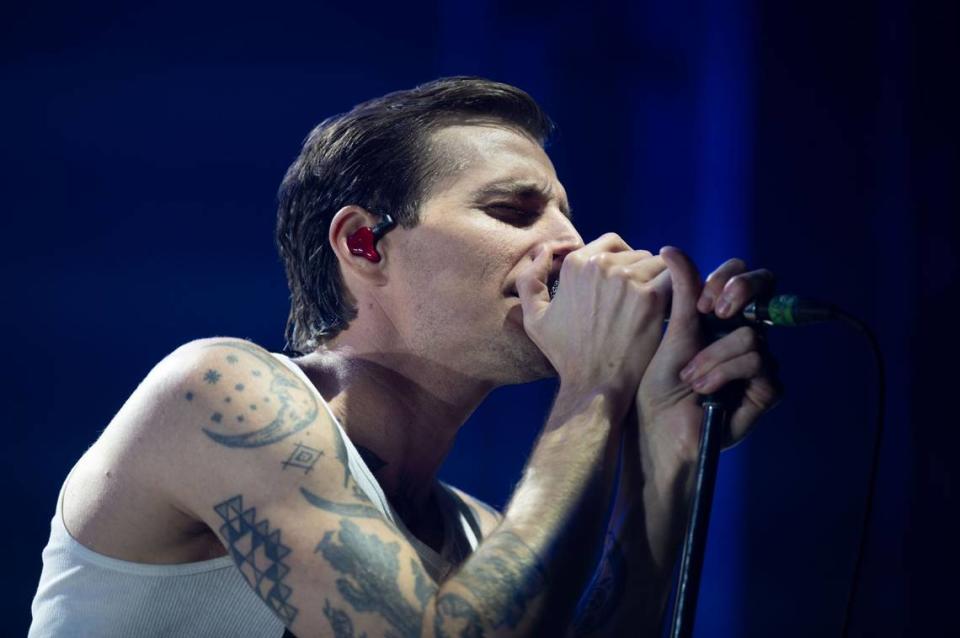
(749, 284)
(735, 264)
(738, 287)
(598, 261)
(606, 269)
(614, 237)
(574, 260)
(731, 266)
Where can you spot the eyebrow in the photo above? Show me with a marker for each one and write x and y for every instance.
(519, 190)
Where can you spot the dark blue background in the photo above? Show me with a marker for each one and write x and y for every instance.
(143, 144)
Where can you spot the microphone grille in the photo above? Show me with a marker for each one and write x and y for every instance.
(553, 288)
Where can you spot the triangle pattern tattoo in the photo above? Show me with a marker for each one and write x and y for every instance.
(258, 553)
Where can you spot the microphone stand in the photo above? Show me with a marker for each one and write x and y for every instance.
(716, 415)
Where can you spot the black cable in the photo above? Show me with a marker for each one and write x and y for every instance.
(874, 464)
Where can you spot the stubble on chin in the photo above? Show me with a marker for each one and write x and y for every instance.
(524, 362)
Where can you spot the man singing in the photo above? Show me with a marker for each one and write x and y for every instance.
(239, 491)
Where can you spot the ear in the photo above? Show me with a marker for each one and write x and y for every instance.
(347, 221)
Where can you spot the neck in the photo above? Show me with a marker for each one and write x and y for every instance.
(402, 412)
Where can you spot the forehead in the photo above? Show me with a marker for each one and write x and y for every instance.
(490, 160)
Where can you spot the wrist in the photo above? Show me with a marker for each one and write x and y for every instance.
(652, 503)
(668, 444)
(607, 400)
(657, 463)
(650, 538)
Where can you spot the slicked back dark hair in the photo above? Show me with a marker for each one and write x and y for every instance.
(376, 156)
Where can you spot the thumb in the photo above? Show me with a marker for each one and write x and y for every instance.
(532, 286)
(686, 289)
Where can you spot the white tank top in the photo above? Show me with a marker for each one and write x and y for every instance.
(83, 593)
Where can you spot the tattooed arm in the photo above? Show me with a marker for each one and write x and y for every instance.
(486, 516)
(525, 578)
(244, 446)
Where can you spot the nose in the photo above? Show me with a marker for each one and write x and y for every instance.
(559, 236)
(562, 234)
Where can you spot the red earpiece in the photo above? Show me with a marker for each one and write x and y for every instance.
(363, 241)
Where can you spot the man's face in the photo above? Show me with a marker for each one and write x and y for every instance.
(453, 277)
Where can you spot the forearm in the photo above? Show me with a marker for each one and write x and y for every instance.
(629, 590)
(526, 575)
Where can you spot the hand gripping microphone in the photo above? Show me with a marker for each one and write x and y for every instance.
(783, 311)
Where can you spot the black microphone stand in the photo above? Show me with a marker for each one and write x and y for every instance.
(716, 415)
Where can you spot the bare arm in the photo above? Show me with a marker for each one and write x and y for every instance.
(661, 436)
(267, 471)
(233, 438)
(630, 587)
(542, 549)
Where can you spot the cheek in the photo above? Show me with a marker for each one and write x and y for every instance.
(453, 264)
(434, 286)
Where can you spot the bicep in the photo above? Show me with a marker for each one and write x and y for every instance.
(321, 571)
(264, 466)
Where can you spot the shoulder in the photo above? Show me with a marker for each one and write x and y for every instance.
(192, 375)
(248, 449)
(216, 354)
(208, 407)
(233, 393)
(236, 385)
(223, 377)
(233, 374)
(486, 515)
(197, 419)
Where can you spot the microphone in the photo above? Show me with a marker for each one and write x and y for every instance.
(789, 311)
(786, 311)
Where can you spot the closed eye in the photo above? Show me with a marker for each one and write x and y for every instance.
(527, 216)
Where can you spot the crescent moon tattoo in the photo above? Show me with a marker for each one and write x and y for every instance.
(292, 403)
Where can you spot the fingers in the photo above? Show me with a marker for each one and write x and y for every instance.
(761, 395)
(713, 286)
(707, 371)
(729, 289)
(745, 366)
(531, 286)
(662, 286)
(606, 243)
(686, 288)
(639, 265)
(634, 262)
(647, 269)
(627, 257)
(605, 252)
